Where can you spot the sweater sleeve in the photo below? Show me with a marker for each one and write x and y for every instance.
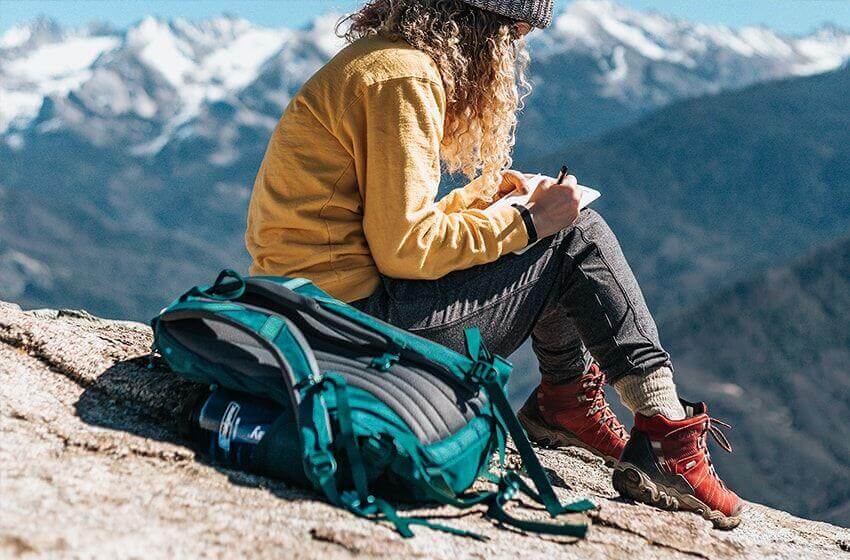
(394, 129)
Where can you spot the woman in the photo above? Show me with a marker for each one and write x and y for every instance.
(345, 197)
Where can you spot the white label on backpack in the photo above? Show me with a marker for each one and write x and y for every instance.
(257, 433)
(228, 426)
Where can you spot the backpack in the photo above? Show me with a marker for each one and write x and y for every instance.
(370, 412)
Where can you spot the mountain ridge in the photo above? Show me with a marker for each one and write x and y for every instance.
(122, 184)
(201, 63)
(729, 168)
(781, 368)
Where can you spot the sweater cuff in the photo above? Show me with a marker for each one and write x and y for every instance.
(509, 228)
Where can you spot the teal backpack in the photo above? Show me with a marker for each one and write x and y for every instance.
(369, 409)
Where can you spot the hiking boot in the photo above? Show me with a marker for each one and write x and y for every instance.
(575, 413)
(666, 464)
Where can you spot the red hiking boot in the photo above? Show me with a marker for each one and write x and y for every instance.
(577, 414)
(666, 464)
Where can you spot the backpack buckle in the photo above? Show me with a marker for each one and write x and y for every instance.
(321, 464)
(384, 362)
(483, 372)
(309, 381)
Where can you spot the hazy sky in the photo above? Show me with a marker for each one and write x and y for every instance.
(789, 16)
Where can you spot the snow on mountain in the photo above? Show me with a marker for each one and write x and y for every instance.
(826, 49)
(15, 37)
(216, 56)
(40, 59)
(600, 25)
(198, 62)
(148, 84)
(19, 271)
(202, 63)
(722, 57)
(38, 31)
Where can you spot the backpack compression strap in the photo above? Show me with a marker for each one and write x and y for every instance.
(487, 372)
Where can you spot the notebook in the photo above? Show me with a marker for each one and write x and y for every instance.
(588, 195)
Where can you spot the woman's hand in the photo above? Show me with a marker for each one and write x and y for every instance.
(514, 181)
(554, 207)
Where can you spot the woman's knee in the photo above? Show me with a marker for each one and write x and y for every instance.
(591, 233)
(593, 226)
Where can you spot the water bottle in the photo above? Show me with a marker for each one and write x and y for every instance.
(228, 426)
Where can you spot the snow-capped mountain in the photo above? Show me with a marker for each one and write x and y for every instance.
(143, 143)
(604, 29)
(144, 86)
(601, 65)
(156, 75)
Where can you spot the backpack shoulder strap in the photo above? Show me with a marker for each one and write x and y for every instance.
(294, 357)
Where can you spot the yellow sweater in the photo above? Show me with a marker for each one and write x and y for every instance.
(347, 186)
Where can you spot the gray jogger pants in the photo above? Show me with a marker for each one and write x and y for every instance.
(573, 293)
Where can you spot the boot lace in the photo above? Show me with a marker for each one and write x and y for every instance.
(595, 394)
(710, 426)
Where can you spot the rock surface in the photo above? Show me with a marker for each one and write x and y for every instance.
(91, 465)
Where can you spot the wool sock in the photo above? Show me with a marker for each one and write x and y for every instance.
(653, 393)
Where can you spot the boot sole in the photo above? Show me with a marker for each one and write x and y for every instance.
(631, 482)
(552, 437)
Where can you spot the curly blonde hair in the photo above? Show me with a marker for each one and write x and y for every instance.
(482, 62)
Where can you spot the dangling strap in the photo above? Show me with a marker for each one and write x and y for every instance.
(380, 510)
(320, 466)
(509, 485)
(522, 486)
(486, 371)
(345, 435)
(512, 484)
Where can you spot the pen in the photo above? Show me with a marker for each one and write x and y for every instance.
(563, 173)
